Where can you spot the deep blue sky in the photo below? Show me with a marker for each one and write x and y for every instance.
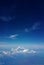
(22, 21)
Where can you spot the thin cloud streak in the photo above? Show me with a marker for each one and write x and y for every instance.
(7, 19)
(35, 26)
(13, 36)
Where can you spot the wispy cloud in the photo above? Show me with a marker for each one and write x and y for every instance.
(26, 30)
(13, 36)
(6, 19)
(35, 26)
(5, 52)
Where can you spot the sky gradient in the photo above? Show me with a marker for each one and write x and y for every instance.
(21, 22)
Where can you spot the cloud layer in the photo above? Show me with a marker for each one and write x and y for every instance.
(18, 50)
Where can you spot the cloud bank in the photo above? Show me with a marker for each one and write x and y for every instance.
(18, 50)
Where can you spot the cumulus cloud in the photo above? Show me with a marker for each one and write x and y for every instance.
(18, 50)
(35, 26)
(5, 52)
(13, 36)
(24, 50)
(21, 50)
(32, 51)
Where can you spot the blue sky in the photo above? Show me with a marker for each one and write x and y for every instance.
(21, 22)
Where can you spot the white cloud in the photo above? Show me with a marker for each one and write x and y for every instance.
(32, 51)
(5, 52)
(24, 50)
(13, 36)
(18, 50)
